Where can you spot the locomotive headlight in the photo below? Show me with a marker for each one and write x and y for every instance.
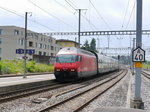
(72, 70)
(57, 69)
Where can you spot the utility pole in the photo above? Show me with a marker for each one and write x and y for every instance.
(25, 45)
(79, 26)
(98, 43)
(108, 41)
(137, 100)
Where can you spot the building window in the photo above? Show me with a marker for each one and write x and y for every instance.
(1, 31)
(36, 45)
(51, 41)
(36, 37)
(21, 42)
(36, 52)
(44, 53)
(0, 40)
(40, 46)
(51, 54)
(16, 32)
(52, 47)
(41, 38)
(30, 44)
(48, 47)
(40, 53)
(0, 50)
(45, 46)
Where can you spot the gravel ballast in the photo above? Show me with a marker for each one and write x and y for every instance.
(114, 97)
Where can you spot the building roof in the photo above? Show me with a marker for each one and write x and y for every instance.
(64, 40)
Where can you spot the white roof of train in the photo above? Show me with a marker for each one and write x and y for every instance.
(71, 50)
(74, 50)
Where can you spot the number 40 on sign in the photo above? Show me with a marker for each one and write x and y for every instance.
(138, 55)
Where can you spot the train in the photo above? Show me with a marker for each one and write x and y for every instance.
(74, 63)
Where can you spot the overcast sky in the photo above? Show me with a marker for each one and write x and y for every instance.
(61, 15)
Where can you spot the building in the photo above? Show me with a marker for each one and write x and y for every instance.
(12, 38)
(67, 43)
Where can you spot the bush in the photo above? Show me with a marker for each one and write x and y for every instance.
(31, 66)
(8, 67)
(17, 67)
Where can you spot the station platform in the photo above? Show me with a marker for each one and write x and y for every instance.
(118, 109)
(8, 84)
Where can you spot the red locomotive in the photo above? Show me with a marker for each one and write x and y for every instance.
(73, 63)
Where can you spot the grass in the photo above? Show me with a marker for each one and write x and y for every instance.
(146, 66)
(17, 67)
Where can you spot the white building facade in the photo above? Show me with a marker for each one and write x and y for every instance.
(12, 38)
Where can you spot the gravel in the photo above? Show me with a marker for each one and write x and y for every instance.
(146, 93)
(117, 96)
(114, 97)
(26, 105)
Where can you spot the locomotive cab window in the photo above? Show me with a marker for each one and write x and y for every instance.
(79, 58)
(67, 58)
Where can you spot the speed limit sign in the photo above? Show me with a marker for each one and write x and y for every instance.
(138, 55)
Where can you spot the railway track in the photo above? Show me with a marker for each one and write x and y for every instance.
(8, 96)
(91, 93)
(146, 75)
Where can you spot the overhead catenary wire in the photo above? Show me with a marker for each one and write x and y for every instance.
(125, 13)
(64, 7)
(51, 14)
(73, 13)
(130, 15)
(72, 3)
(89, 22)
(8, 10)
(100, 16)
(13, 12)
(73, 6)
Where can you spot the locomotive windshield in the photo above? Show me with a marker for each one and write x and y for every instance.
(67, 58)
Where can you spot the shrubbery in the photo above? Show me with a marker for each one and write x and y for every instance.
(17, 67)
(146, 66)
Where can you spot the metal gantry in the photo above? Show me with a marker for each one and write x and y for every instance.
(120, 51)
(93, 33)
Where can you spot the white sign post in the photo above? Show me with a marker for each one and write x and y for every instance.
(138, 56)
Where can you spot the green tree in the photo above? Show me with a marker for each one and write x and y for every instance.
(86, 45)
(93, 44)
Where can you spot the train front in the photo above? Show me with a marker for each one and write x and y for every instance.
(66, 67)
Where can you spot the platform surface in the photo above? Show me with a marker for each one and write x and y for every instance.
(117, 109)
(8, 81)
